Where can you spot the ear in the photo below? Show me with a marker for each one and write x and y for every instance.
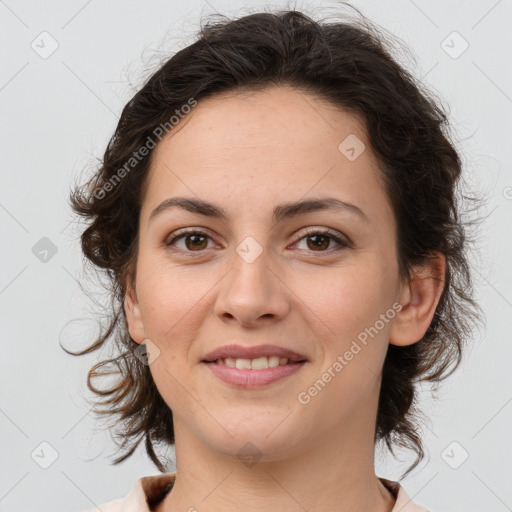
(133, 315)
(419, 299)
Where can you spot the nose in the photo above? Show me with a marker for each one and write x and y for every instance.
(253, 292)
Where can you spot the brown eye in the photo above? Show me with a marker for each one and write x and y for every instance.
(316, 241)
(320, 240)
(195, 241)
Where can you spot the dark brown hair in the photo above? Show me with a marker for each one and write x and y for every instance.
(348, 64)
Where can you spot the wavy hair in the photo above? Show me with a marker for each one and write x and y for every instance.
(349, 63)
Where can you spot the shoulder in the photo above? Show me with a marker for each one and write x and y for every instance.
(116, 505)
(133, 502)
(146, 492)
(150, 490)
(403, 502)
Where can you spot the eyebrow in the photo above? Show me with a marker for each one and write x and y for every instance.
(280, 213)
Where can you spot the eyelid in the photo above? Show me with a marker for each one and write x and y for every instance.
(322, 231)
(187, 231)
(341, 240)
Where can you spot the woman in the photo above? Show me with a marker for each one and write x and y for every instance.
(276, 213)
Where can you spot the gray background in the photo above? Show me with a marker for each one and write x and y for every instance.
(57, 115)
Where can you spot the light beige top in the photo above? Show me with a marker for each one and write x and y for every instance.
(151, 490)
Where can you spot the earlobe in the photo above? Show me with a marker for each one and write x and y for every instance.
(419, 300)
(133, 315)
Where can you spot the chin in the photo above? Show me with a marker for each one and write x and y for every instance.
(262, 441)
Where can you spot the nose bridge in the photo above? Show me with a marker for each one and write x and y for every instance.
(252, 288)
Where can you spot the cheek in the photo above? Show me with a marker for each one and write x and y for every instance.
(355, 311)
(170, 297)
(351, 309)
(344, 300)
(174, 305)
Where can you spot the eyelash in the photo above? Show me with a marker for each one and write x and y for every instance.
(342, 243)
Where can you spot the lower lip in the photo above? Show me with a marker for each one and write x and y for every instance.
(253, 378)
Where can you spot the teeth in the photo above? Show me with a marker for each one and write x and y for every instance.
(273, 361)
(260, 363)
(230, 361)
(243, 364)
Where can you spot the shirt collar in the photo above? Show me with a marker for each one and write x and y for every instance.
(151, 490)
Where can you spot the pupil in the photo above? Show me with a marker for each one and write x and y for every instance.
(195, 238)
(319, 244)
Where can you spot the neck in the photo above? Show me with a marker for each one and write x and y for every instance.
(335, 473)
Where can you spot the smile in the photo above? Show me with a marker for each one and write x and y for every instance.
(242, 373)
(259, 363)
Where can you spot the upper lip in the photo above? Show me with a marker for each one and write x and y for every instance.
(252, 352)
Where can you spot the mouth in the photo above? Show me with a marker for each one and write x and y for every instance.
(259, 363)
(250, 367)
(261, 356)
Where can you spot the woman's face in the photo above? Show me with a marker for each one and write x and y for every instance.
(263, 275)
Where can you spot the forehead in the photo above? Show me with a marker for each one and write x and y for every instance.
(252, 148)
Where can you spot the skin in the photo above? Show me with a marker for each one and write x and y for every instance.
(248, 153)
